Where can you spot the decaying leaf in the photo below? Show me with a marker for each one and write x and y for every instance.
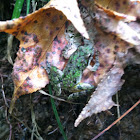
(117, 27)
(40, 33)
(111, 83)
(101, 99)
(122, 6)
(107, 46)
(116, 15)
(113, 36)
(135, 1)
(110, 38)
(72, 12)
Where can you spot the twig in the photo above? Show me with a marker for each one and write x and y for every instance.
(35, 126)
(6, 108)
(34, 4)
(3, 94)
(101, 133)
(118, 107)
(57, 98)
(53, 131)
(9, 47)
(24, 125)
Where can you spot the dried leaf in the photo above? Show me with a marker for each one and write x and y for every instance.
(72, 12)
(116, 15)
(113, 37)
(41, 33)
(122, 6)
(135, 1)
(117, 27)
(107, 46)
(101, 99)
(37, 37)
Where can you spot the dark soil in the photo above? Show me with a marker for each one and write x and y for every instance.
(21, 120)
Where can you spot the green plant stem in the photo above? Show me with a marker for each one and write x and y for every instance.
(17, 8)
(28, 6)
(56, 115)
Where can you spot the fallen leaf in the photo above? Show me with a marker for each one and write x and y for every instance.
(101, 99)
(41, 34)
(116, 15)
(135, 1)
(37, 38)
(107, 46)
(117, 27)
(114, 36)
(122, 6)
(72, 12)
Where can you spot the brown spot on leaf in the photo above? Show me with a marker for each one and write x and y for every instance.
(116, 47)
(35, 39)
(57, 28)
(26, 33)
(124, 2)
(15, 33)
(22, 31)
(101, 65)
(48, 14)
(108, 50)
(26, 40)
(35, 21)
(23, 38)
(66, 24)
(51, 32)
(53, 52)
(56, 39)
(28, 78)
(54, 19)
(25, 85)
(114, 52)
(19, 25)
(9, 26)
(59, 48)
(61, 17)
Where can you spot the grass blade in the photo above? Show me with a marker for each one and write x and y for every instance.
(17, 8)
(56, 115)
(28, 6)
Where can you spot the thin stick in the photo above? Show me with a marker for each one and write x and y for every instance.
(57, 98)
(6, 108)
(118, 107)
(101, 133)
